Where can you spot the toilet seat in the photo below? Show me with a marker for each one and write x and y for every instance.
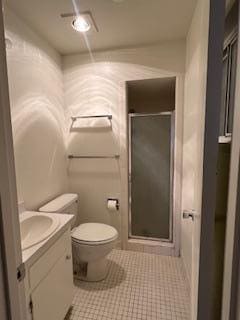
(94, 234)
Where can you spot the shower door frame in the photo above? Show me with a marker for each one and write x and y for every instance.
(172, 147)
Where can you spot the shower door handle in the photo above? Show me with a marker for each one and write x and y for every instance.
(189, 214)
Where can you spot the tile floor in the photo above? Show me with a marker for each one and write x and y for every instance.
(139, 286)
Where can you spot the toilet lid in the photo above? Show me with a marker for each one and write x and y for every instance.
(94, 232)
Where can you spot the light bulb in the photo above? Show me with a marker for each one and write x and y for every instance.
(80, 24)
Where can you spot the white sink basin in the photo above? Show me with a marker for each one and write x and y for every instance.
(36, 228)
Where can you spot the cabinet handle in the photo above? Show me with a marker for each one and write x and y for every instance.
(68, 257)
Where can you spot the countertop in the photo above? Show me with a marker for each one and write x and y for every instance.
(32, 254)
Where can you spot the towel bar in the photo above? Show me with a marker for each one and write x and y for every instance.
(93, 157)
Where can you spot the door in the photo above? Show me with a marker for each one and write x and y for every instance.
(54, 294)
(151, 175)
(12, 291)
(208, 99)
(202, 106)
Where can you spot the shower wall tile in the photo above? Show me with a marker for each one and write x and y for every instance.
(148, 246)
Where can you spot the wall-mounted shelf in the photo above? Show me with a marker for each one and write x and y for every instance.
(75, 119)
(109, 116)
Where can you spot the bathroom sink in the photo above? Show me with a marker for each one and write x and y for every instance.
(36, 228)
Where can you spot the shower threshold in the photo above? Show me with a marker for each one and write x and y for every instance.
(146, 238)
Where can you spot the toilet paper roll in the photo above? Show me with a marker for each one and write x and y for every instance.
(112, 205)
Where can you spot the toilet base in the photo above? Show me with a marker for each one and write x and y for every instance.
(91, 271)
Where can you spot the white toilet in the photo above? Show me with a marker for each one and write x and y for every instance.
(91, 242)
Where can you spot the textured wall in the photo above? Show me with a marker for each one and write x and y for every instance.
(36, 97)
(99, 87)
(35, 79)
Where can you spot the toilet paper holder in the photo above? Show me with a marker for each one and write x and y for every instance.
(117, 202)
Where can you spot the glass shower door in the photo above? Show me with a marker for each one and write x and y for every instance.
(151, 175)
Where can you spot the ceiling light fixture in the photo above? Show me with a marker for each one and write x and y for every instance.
(80, 24)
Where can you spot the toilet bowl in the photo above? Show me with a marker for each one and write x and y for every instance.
(91, 242)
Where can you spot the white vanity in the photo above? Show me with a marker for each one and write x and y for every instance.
(47, 258)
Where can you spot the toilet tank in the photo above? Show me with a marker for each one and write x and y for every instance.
(66, 203)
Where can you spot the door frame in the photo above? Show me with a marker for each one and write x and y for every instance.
(231, 283)
(172, 225)
(10, 241)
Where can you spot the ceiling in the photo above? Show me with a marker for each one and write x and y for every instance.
(121, 24)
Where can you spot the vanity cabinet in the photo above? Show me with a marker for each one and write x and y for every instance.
(53, 296)
(50, 281)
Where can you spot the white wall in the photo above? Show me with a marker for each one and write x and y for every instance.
(194, 120)
(99, 87)
(36, 97)
(38, 116)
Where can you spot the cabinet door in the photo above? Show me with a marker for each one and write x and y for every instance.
(54, 294)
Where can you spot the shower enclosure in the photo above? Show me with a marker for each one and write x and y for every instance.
(151, 148)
